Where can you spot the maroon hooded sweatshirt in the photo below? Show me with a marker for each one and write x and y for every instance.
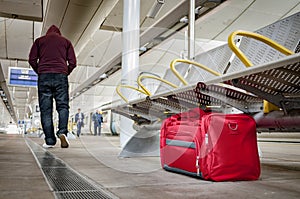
(52, 53)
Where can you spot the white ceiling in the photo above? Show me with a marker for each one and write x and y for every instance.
(26, 9)
(88, 23)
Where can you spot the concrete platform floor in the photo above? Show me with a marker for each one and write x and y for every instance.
(97, 159)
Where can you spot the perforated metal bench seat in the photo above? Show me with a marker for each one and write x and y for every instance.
(273, 76)
(277, 81)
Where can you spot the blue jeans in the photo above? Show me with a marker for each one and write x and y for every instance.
(79, 125)
(97, 129)
(53, 86)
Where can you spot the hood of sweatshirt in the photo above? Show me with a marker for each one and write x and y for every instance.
(53, 29)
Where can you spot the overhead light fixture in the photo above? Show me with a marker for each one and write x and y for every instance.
(143, 49)
(184, 19)
(155, 8)
(103, 76)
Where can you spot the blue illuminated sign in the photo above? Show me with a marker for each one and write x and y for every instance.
(22, 77)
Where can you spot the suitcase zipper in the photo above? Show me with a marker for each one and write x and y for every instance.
(197, 165)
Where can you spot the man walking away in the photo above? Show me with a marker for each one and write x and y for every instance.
(79, 118)
(98, 119)
(52, 57)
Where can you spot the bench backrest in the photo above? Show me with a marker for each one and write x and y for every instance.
(169, 76)
(285, 32)
(216, 59)
(221, 59)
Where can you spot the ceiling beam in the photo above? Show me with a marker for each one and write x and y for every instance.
(159, 27)
(26, 10)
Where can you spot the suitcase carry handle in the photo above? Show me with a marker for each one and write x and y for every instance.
(233, 126)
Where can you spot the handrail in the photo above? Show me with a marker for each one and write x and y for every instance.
(152, 77)
(257, 36)
(127, 86)
(172, 66)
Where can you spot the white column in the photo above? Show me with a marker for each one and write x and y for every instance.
(130, 60)
(191, 43)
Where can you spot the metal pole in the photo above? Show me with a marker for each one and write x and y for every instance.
(191, 43)
(130, 60)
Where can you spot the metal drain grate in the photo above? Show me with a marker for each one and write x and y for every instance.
(63, 179)
(81, 195)
(50, 162)
(65, 182)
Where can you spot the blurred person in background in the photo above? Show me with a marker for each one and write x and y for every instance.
(98, 120)
(79, 118)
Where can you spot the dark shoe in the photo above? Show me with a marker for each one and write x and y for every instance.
(64, 143)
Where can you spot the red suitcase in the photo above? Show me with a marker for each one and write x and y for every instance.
(213, 146)
(178, 137)
(228, 151)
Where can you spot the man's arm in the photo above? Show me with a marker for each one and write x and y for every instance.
(71, 58)
(76, 117)
(33, 57)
